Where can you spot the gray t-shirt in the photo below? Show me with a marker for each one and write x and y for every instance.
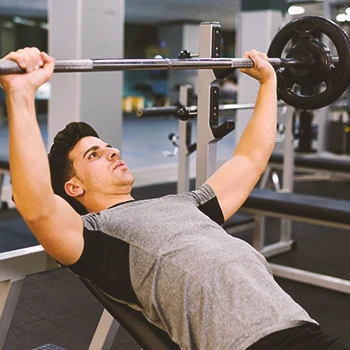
(168, 258)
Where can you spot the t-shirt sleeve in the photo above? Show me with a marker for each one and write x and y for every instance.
(84, 265)
(105, 263)
(207, 202)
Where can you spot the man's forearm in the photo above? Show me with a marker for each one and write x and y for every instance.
(30, 174)
(258, 139)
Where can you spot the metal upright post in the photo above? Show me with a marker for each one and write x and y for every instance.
(285, 242)
(323, 113)
(183, 182)
(206, 142)
(288, 174)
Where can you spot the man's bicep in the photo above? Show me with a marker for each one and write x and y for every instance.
(61, 232)
(233, 182)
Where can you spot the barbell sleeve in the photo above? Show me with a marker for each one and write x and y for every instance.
(121, 64)
(157, 111)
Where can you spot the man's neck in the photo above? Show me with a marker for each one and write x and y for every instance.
(105, 203)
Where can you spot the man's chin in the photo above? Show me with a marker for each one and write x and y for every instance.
(129, 180)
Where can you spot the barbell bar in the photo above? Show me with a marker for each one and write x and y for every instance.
(191, 111)
(309, 77)
(121, 64)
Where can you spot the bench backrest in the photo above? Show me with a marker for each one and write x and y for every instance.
(147, 335)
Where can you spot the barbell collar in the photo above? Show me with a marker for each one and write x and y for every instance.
(121, 64)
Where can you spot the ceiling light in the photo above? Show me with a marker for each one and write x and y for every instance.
(342, 17)
(44, 25)
(23, 21)
(296, 10)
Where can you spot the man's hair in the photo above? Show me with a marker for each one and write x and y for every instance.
(61, 167)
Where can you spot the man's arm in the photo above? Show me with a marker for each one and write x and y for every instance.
(234, 180)
(54, 223)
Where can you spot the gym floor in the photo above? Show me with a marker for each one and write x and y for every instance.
(55, 308)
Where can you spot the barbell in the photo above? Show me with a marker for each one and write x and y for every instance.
(122, 64)
(308, 77)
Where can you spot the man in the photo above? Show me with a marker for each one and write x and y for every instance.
(168, 257)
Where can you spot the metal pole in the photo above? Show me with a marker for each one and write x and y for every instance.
(206, 142)
(288, 175)
(121, 64)
(192, 110)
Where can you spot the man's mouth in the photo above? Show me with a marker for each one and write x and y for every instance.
(119, 165)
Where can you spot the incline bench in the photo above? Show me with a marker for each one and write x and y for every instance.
(304, 208)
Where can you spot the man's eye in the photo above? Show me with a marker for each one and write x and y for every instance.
(92, 155)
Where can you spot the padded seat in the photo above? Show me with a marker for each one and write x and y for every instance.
(300, 205)
(147, 335)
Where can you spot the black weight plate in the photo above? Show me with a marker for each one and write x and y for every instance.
(337, 77)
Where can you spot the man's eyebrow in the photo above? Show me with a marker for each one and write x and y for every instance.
(93, 148)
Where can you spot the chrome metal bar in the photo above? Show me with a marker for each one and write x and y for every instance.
(71, 66)
(121, 64)
(192, 110)
(312, 278)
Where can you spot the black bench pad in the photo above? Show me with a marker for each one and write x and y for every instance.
(329, 164)
(147, 335)
(237, 220)
(300, 205)
(4, 164)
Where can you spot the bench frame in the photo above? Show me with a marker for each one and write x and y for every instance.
(15, 266)
(299, 275)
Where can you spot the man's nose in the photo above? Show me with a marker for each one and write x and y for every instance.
(113, 153)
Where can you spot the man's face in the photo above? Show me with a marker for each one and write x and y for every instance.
(99, 168)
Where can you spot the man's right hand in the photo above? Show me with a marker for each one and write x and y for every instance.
(262, 70)
(39, 68)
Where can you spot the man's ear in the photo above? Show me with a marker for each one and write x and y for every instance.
(73, 188)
